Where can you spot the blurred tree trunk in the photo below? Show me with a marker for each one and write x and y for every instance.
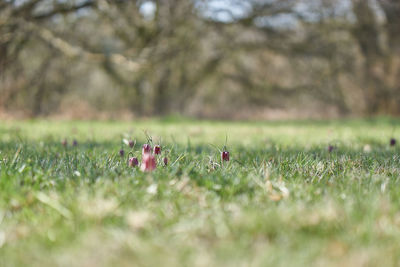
(391, 9)
(379, 61)
(160, 103)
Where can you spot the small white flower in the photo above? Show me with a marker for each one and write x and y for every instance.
(152, 189)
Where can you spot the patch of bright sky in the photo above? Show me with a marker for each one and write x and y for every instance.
(148, 9)
(230, 10)
(310, 10)
(224, 10)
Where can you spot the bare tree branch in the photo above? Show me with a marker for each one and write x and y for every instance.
(74, 51)
(63, 9)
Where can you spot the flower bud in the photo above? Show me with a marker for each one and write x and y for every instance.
(131, 143)
(225, 156)
(133, 162)
(157, 149)
(392, 142)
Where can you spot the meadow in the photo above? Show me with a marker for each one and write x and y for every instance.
(283, 198)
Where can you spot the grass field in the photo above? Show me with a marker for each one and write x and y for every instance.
(282, 199)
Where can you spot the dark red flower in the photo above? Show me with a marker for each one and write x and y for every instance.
(121, 152)
(225, 156)
(157, 149)
(131, 143)
(133, 162)
(165, 161)
(146, 149)
(330, 148)
(392, 142)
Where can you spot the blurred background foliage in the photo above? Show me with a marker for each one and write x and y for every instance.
(214, 59)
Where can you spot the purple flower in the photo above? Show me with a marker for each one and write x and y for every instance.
(131, 143)
(225, 156)
(121, 152)
(392, 142)
(146, 149)
(157, 149)
(133, 162)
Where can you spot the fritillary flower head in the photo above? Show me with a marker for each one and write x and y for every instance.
(148, 163)
(392, 142)
(157, 149)
(133, 162)
(146, 149)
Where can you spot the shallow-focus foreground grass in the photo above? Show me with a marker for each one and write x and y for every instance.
(282, 200)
